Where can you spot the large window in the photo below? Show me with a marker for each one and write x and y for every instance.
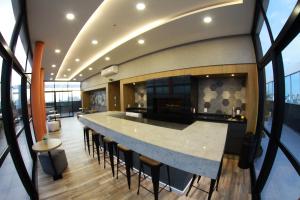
(16, 100)
(7, 21)
(281, 84)
(64, 97)
(284, 182)
(278, 12)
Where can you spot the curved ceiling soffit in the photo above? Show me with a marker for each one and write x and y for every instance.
(131, 35)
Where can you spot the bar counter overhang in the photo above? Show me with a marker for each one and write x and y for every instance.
(197, 149)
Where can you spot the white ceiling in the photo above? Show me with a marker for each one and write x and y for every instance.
(117, 25)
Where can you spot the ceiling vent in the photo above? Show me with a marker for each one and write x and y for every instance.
(110, 71)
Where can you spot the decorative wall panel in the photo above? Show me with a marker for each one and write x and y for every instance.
(98, 100)
(219, 95)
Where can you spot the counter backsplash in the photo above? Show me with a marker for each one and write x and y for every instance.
(219, 95)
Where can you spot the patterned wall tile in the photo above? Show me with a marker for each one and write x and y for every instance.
(98, 100)
(140, 95)
(220, 95)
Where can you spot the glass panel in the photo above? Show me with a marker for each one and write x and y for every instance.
(20, 53)
(268, 110)
(49, 86)
(7, 21)
(28, 67)
(16, 100)
(73, 86)
(25, 153)
(11, 186)
(64, 103)
(264, 39)
(261, 154)
(3, 143)
(290, 57)
(278, 12)
(28, 100)
(283, 181)
(61, 86)
(290, 136)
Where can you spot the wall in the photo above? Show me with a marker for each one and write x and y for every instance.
(220, 94)
(230, 50)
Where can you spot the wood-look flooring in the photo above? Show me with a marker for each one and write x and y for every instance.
(85, 179)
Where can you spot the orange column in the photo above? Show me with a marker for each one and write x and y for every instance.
(42, 99)
(36, 91)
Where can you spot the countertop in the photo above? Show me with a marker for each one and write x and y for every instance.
(197, 149)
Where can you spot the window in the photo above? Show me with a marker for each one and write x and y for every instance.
(283, 180)
(7, 25)
(278, 11)
(290, 136)
(25, 152)
(20, 53)
(16, 100)
(264, 38)
(261, 154)
(10, 185)
(269, 101)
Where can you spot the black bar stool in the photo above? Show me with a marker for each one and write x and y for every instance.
(212, 182)
(86, 136)
(128, 157)
(96, 144)
(155, 173)
(111, 145)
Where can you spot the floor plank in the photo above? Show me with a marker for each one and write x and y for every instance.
(85, 179)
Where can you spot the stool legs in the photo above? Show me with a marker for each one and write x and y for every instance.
(211, 188)
(96, 142)
(155, 181)
(87, 135)
(169, 182)
(111, 157)
(140, 172)
(128, 164)
(191, 185)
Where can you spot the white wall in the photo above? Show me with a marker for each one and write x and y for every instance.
(230, 50)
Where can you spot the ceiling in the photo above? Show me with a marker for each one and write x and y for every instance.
(118, 25)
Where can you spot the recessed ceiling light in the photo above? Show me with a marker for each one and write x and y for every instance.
(74, 79)
(52, 74)
(57, 50)
(141, 41)
(51, 79)
(140, 6)
(207, 19)
(107, 58)
(65, 75)
(207, 76)
(80, 74)
(90, 68)
(94, 42)
(232, 75)
(53, 66)
(69, 69)
(70, 16)
(77, 59)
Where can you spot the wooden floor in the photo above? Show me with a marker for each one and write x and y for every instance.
(85, 179)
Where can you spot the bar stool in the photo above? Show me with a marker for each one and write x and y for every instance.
(155, 173)
(128, 157)
(86, 136)
(107, 141)
(212, 182)
(96, 143)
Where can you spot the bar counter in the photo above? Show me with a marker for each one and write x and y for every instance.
(197, 149)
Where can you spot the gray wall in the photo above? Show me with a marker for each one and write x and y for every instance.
(230, 50)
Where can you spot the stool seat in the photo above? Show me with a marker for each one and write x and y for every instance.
(123, 148)
(108, 140)
(149, 161)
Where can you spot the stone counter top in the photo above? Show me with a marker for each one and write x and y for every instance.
(197, 149)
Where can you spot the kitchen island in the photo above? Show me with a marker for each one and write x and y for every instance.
(196, 149)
